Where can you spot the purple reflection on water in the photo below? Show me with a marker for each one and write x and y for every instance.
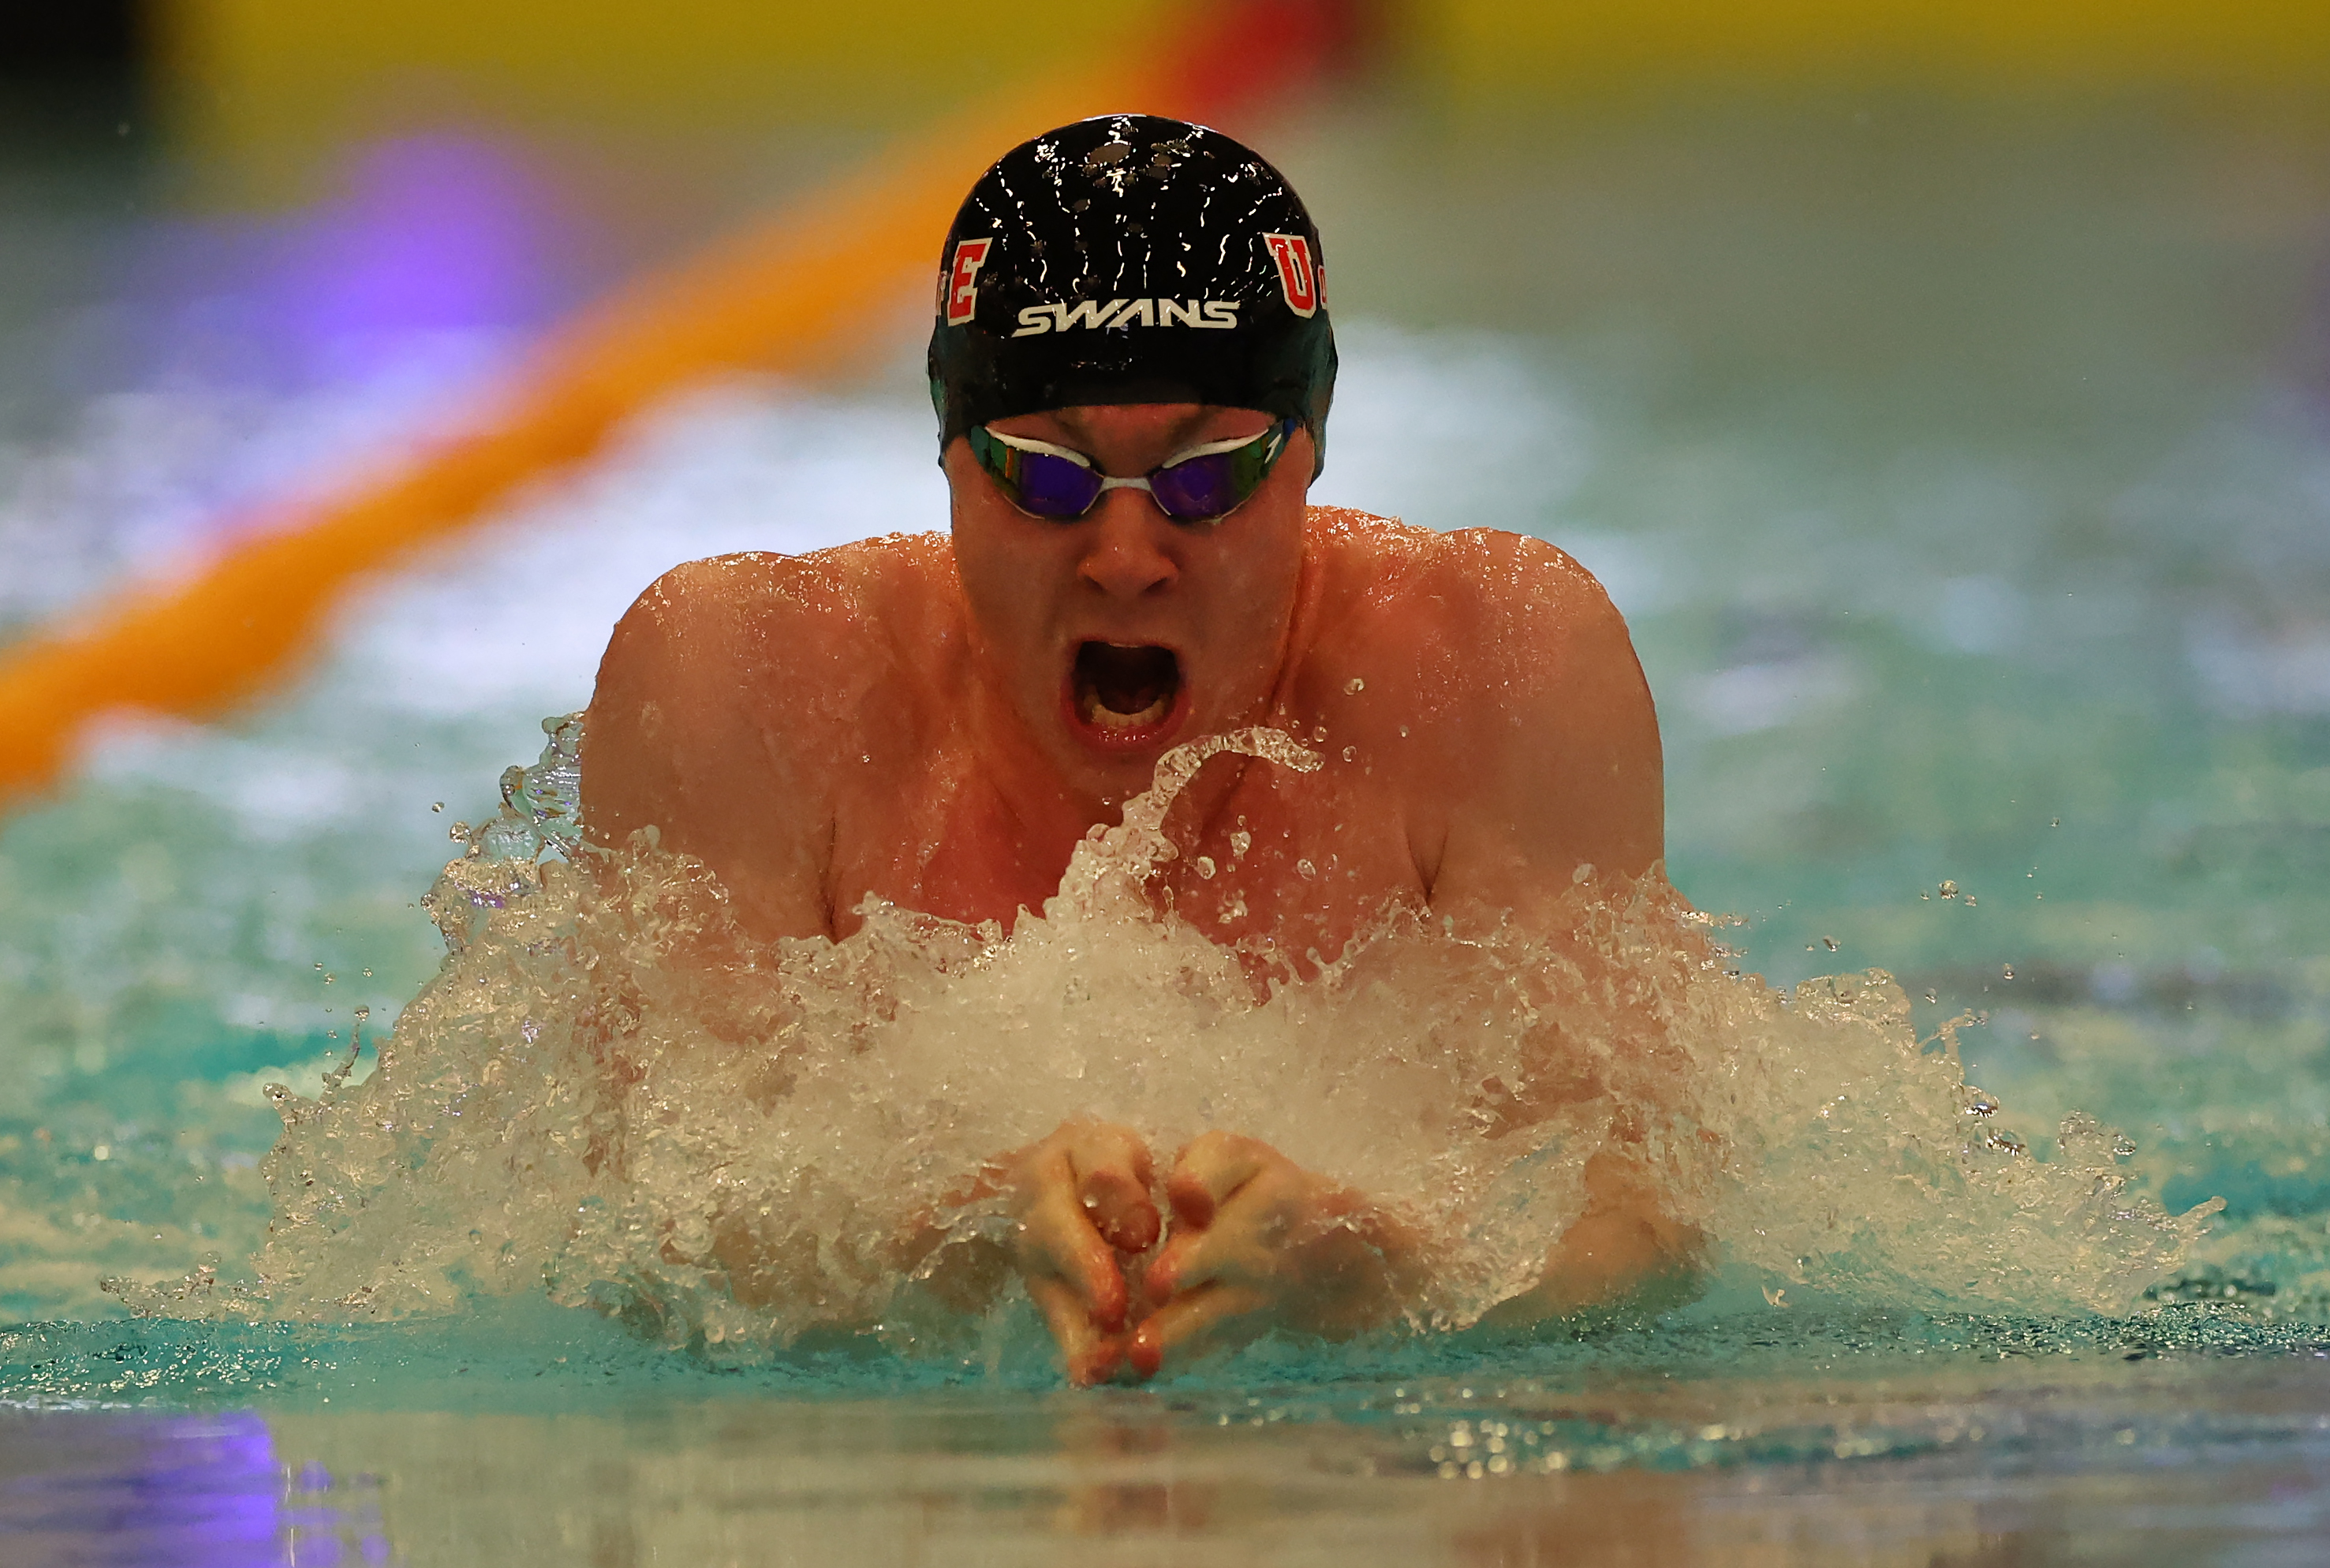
(250, 358)
(197, 1491)
(434, 233)
(422, 237)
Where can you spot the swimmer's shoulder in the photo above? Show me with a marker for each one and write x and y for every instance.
(730, 685)
(1512, 581)
(1474, 585)
(763, 610)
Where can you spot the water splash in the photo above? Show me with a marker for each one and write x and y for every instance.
(610, 1093)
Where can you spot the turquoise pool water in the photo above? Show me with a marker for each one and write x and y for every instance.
(1963, 474)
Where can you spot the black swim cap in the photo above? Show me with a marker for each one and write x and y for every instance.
(1131, 258)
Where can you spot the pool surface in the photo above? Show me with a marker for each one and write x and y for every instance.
(1964, 472)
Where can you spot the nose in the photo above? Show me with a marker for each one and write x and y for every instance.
(1129, 550)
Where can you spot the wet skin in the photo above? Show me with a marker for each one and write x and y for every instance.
(926, 719)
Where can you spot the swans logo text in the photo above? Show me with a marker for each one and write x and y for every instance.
(1219, 313)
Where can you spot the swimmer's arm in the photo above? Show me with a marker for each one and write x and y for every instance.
(699, 729)
(1565, 774)
(1625, 1252)
(1558, 741)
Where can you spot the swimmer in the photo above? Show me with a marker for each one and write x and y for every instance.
(1132, 365)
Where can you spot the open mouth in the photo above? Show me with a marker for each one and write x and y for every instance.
(1123, 692)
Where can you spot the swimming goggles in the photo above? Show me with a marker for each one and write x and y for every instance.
(1200, 485)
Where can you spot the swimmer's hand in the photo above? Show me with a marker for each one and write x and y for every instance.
(1259, 1243)
(1081, 1197)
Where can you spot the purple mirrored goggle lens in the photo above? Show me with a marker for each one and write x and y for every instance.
(1052, 482)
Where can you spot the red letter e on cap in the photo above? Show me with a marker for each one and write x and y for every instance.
(962, 281)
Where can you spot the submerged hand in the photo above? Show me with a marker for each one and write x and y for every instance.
(1082, 1198)
(1258, 1241)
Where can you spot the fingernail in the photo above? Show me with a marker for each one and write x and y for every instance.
(1145, 1355)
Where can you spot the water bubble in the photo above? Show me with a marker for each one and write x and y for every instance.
(1206, 866)
(2006, 972)
(1355, 685)
(1403, 731)
(363, 1012)
(368, 974)
(1240, 842)
(1351, 753)
(1932, 995)
(1950, 889)
(2057, 823)
(1969, 901)
(1305, 870)
(1829, 942)
(436, 806)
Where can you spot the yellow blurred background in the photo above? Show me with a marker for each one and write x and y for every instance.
(257, 92)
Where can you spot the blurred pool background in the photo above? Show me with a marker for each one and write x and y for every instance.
(1940, 391)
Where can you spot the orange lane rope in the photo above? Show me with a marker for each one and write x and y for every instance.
(792, 294)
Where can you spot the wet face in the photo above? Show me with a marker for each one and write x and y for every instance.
(1122, 633)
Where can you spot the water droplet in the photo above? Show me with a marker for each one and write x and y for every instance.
(1950, 889)
(1351, 753)
(329, 979)
(436, 806)
(1240, 842)
(1305, 870)
(1829, 942)
(1206, 866)
(319, 965)
(2006, 971)
(1403, 731)
(1969, 901)
(1355, 685)
(1932, 995)
(2057, 823)
(368, 974)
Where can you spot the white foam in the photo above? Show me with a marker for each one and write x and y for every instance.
(744, 1144)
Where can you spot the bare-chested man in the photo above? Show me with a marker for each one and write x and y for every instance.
(1132, 367)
